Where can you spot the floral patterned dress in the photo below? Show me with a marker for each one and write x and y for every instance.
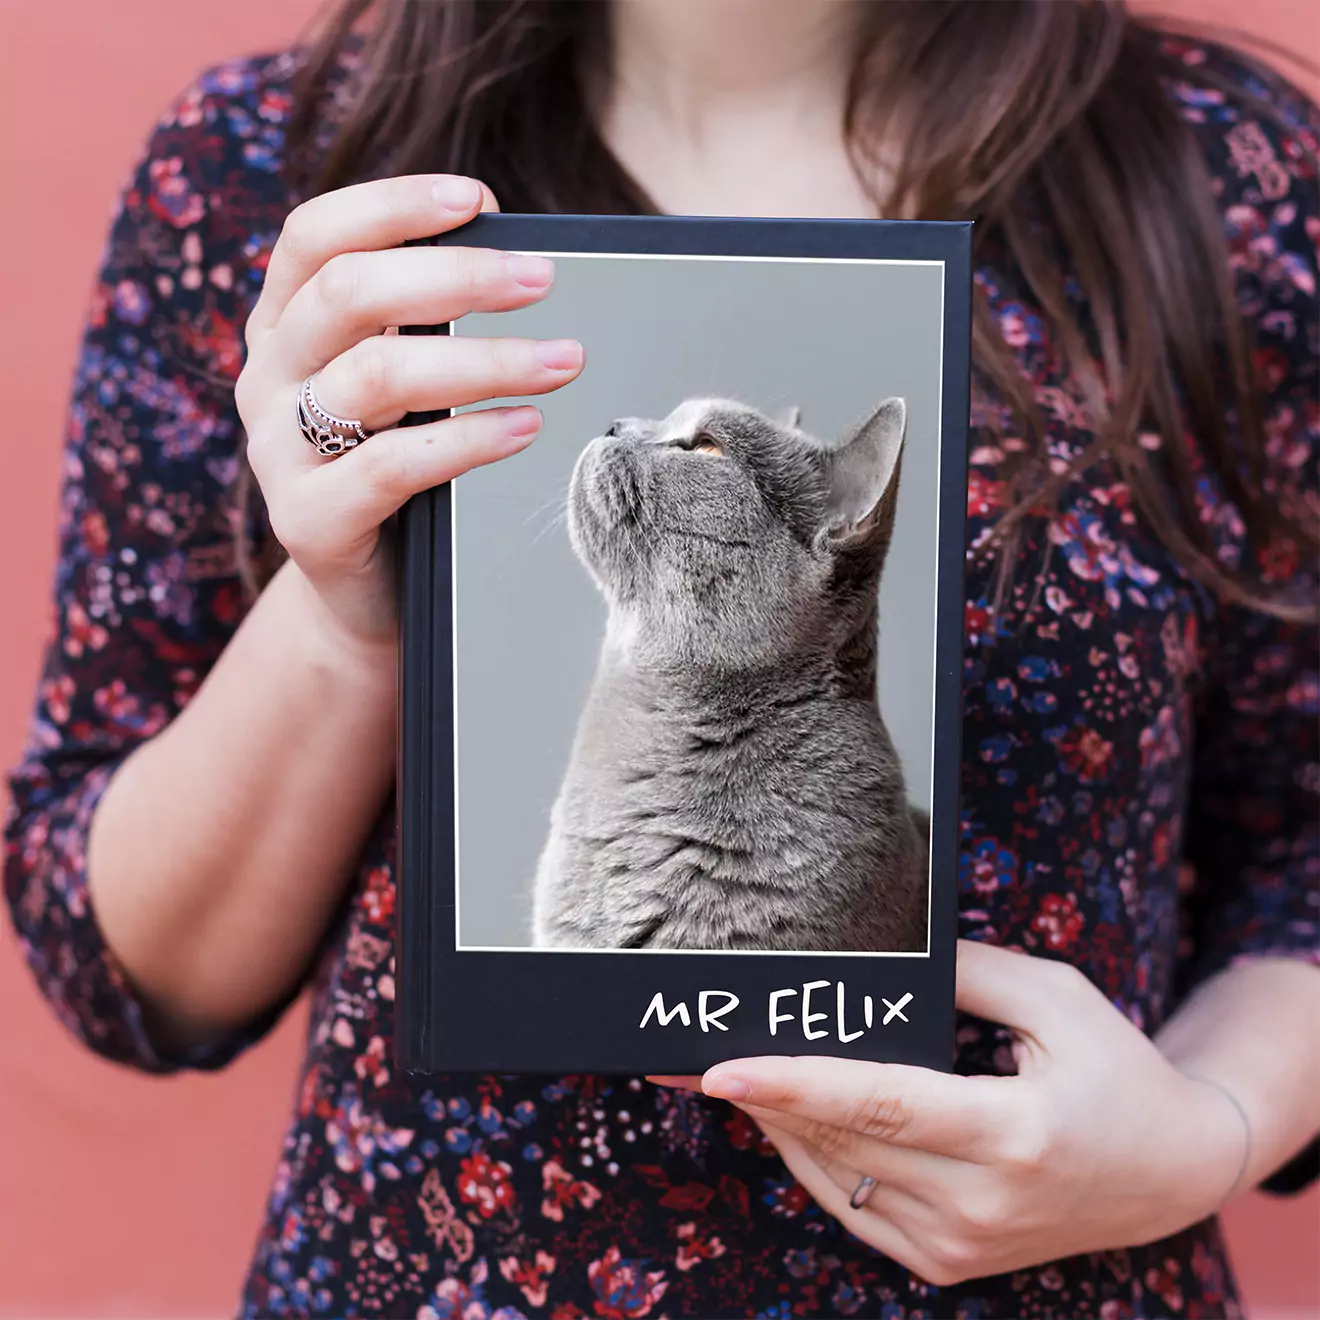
(1140, 791)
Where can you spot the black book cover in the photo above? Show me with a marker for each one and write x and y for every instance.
(667, 793)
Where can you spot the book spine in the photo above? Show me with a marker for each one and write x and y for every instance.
(424, 626)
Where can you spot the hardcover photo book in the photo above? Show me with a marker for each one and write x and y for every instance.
(680, 691)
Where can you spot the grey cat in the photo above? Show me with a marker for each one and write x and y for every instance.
(732, 784)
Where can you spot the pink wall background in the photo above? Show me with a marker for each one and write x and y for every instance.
(122, 1195)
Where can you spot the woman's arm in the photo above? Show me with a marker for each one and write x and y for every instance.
(1253, 841)
(146, 592)
(1253, 1031)
(221, 846)
(193, 798)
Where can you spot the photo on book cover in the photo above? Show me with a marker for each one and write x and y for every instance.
(681, 681)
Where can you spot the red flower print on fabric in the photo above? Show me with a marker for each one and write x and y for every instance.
(625, 1289)
(1058, 921)
(485, 1183)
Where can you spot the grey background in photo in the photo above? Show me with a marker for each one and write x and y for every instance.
(833, 338)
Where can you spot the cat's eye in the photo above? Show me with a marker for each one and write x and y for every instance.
(705, 444)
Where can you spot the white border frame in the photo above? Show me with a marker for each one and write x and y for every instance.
(459, 946)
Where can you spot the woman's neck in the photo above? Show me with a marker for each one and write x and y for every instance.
(691, 59)
(734, 106)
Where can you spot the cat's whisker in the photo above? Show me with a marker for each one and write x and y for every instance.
(557, 507)
(558, 502)
(556, 522)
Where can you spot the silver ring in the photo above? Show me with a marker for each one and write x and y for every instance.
(327, 434)
(863, 1193)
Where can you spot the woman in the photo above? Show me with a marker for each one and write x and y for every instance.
(200, 826)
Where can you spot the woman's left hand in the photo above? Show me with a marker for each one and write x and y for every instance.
(1098, 1142)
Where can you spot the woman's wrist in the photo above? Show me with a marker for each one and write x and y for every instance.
(1264, 1085)
(1216, 1129)
(367, 663)
(1244, 1119)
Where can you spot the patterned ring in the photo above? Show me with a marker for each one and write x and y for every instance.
(327, 434)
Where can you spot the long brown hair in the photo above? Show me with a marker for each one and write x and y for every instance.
(1045, 122)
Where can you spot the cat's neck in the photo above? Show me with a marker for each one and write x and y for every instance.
(690, 690)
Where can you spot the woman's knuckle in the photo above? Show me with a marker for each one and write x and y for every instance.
(954, 1259)
(470, 272)
(244, 392)
(389, 469)
(506, 359)
(829, 1140)
(939, 1274)
(372, 368)
(338, 283)
(288, 524)
(879, 1115)
(294, 242)
(257, 448)
(1033, 1142)
(250, 329)
(982, 1213)
(1023, 1139)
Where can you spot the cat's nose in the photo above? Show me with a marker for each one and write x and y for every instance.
(626, 428)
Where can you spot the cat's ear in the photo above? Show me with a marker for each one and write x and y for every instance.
(863, 474)
(791, 418)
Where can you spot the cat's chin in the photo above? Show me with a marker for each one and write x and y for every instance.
(583, 514)
(606, 480)
(601, 497)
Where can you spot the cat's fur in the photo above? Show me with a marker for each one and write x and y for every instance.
(732, 784)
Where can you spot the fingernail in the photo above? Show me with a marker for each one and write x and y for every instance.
(530, 272)
(676, 1081)
(520, 423)
(726, 1088)
(560, 354)
(456, 193)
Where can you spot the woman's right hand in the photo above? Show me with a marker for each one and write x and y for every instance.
(336, 285)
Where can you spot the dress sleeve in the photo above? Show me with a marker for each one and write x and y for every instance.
(1253, 831)
(146, 591)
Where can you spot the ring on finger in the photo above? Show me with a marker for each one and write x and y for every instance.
(862, 1192)
(329, 435)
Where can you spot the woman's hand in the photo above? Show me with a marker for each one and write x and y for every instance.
(1098, 1142)
(337, 283)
